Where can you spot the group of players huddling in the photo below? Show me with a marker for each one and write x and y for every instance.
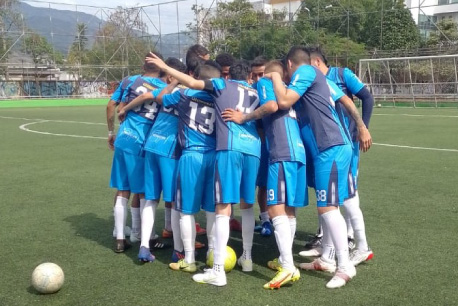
(206, 134)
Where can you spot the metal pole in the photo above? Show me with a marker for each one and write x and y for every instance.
(391, 83)
(178, 25)
(411, 85)
(160, 31)
(434, 84)
(456, 76)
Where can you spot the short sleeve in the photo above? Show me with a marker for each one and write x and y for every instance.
(336, 92)
(265, 91)
(352, 82)
(171, 99)
(302, 79)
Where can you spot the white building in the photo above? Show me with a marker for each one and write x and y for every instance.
(427, 12)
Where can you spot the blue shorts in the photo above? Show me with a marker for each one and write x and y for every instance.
(331, 175)
(286, 184)
(131, 136)
(235, 177)
(261, 180)
(127, 172)
(195, 177)
(160, 176)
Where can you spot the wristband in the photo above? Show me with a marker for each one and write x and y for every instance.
(110, 133)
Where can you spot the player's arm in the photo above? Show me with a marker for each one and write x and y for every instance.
(141, 99)
(238, 117)
(182, 78)
(286, 97)
(167, 90)
(111, 107)
(364, 136)
(367, 103)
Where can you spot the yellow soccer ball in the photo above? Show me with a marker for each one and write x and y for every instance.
(229, 263)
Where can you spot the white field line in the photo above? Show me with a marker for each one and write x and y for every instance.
(24, 128)
(412, 115)
(414, 148)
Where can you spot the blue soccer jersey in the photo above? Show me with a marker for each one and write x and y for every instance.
(318, 119)
(231, 136)
(133, 130)
(162, 138)
(350, 84)
(197, 118)
(118, 93)
(283, 136)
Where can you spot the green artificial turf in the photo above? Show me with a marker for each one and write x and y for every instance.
(52, 102)
(56, 206)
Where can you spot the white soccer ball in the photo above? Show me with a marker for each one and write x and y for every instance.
(379, 105)
(47, 278)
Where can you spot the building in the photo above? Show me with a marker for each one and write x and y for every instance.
(428, 12)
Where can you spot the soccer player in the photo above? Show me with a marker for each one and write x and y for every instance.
(350, 85)
(237, 162)
(225, 60)
(195, 176)
(286, 179)
(328, 145)
(128, 162)
(258, 65)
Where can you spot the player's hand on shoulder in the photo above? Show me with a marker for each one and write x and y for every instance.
(365, 139)
(233, 115)
(153, 59)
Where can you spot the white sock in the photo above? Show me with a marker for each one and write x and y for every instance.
(350, 232)
(292, 226)
(120, 215)
(355, 215)
(319, 231)
(210, 230)
(136, 219)
(168, 218)
(148, 214)
(329, 252)
(188, 235)
(335, 225)
(177, 242)
(265, 217)
(247, 231)
(221, 239)
(284, 242)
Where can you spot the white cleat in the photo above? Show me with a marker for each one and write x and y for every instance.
(135, 237)
(246, 264)
(342, 277)
(357, 256)
(211, 277)
(319, 265)
(315, 252)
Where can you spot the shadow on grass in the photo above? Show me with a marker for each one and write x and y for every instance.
(92, 227)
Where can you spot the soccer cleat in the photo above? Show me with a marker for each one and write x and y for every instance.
(135, 237)
(281, 278)
(182, 265)
(318, 265)
(199, 245)
(357, 256)
(315, 252)
(211, 277)
(235, 225)
(144, 255)
(177, 256)
(274, 264)
(296, 275)
(266, 229)
(342, 277)
(167, 234)
(314, 243)
(351, 244)
(156, 244)
(200, 230)
(121, 245)
(246, 264)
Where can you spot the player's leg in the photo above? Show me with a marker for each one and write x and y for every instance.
(148, 209)
(208, 198)
(355, 216)
(250, 166)
(189, 184)
(167, 231)
(167, 169)
(120, 181)
(228, 172)
(261, 183)
(331, 169)
(282, 191)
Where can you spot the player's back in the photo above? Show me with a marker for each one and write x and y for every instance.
(318, 120)
(119, 91)
(229, 135)
(196, 111)
(283, 137)
(147, 112)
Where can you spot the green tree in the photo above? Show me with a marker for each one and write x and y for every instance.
(38, 48)
(446, 34)
(77, 54)
(10, 19)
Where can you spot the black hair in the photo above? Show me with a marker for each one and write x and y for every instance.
(240, 70)
(318, 52)
(176, 64)
(298, 55)
(225, 59)
(193, 62)
(196, 50)
(151, 68)
(273, 63)
(207, 71)
(258, 61)
(214, 64)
